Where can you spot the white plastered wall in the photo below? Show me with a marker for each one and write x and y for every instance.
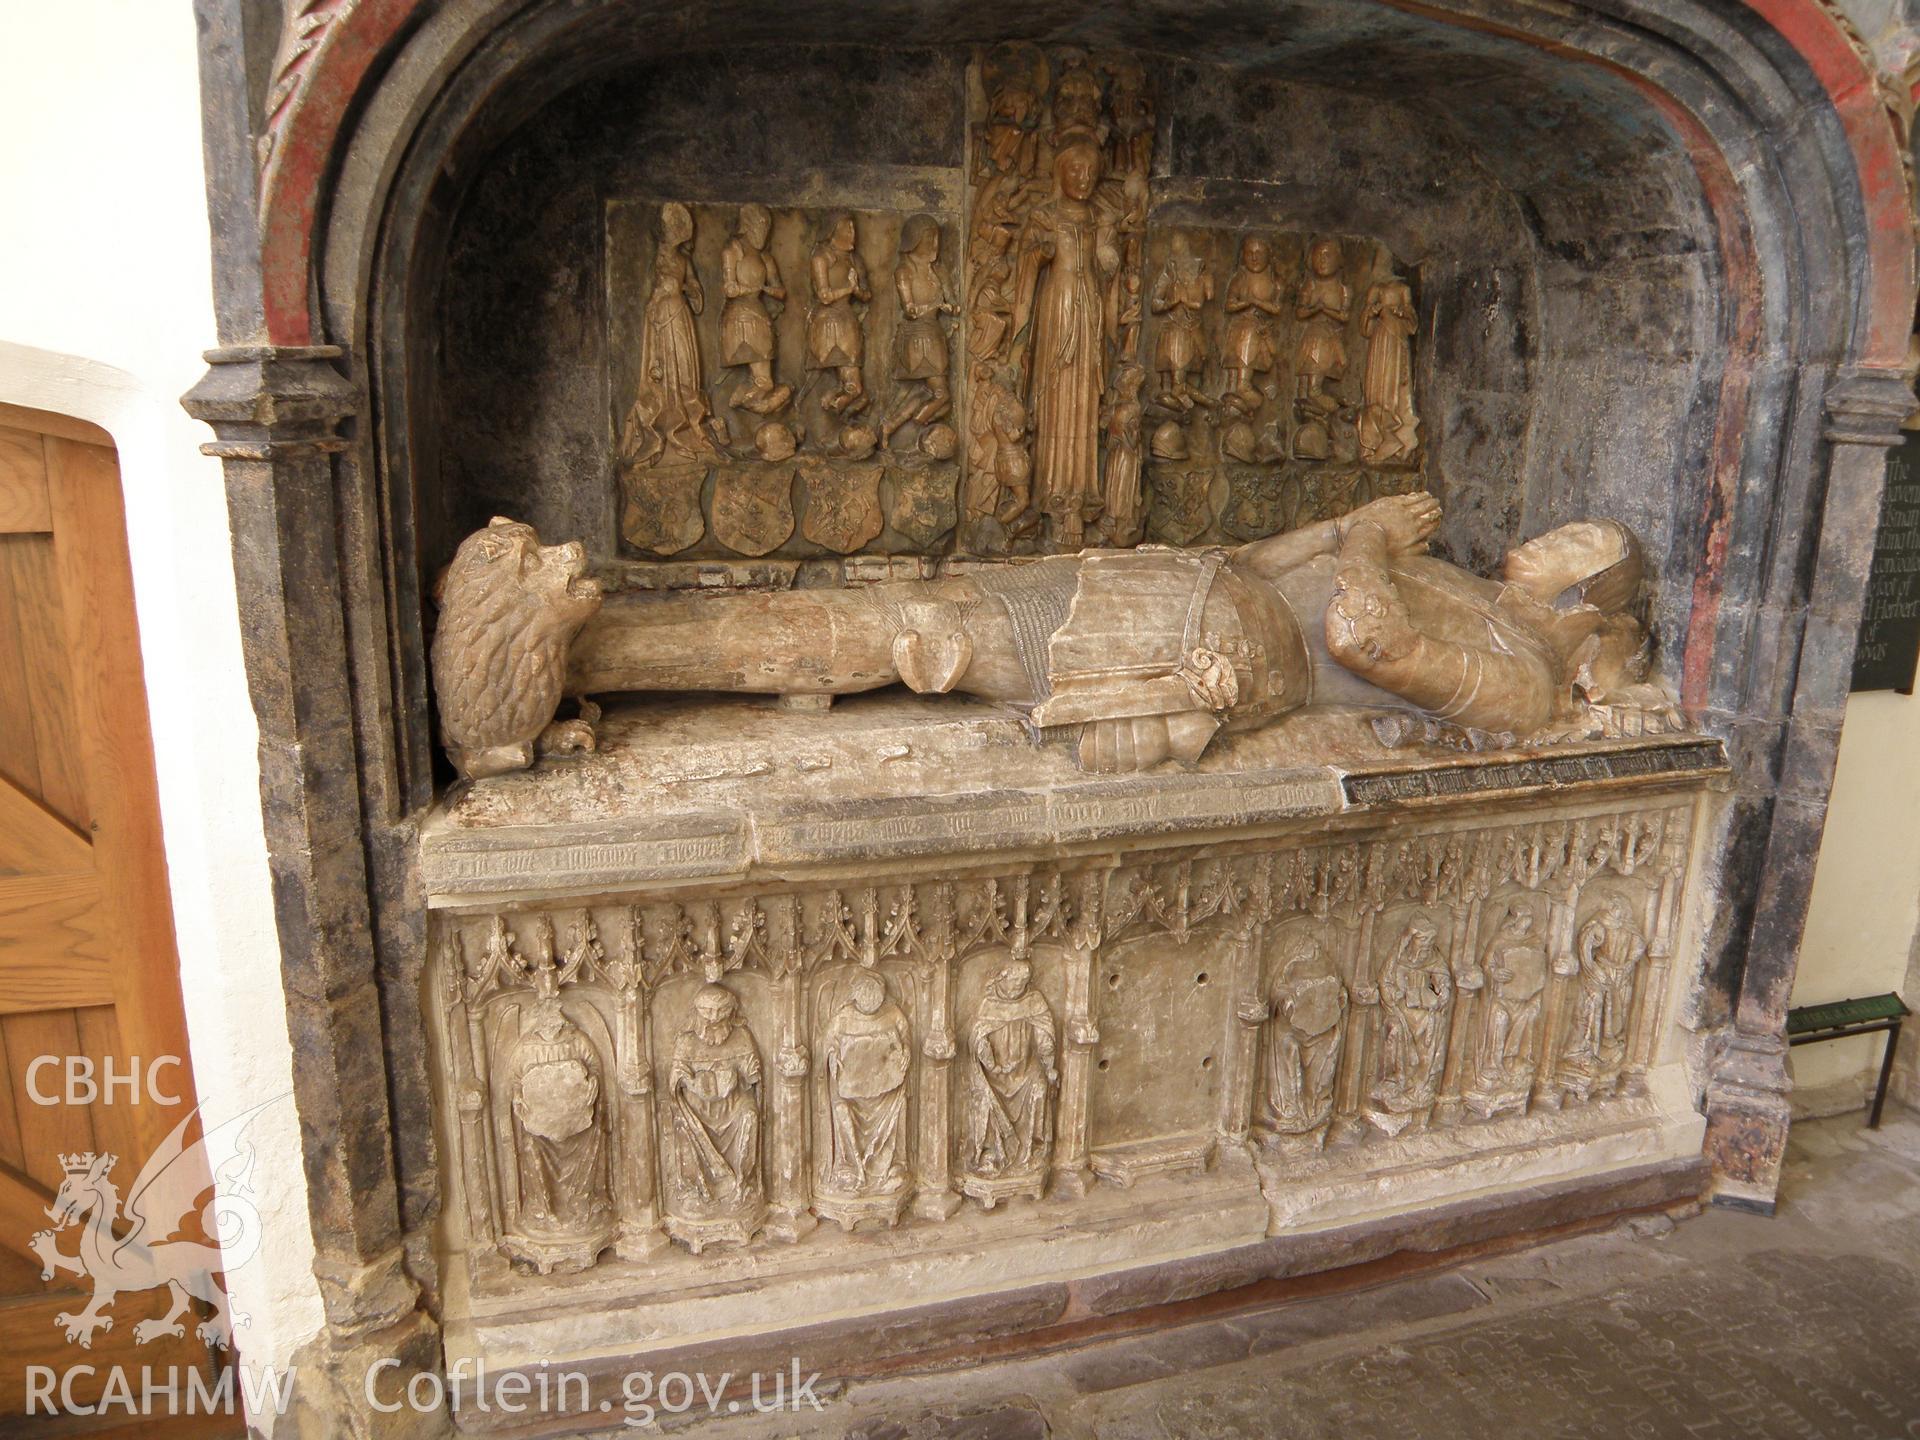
(1866, 891)
(1864, 921)
(105, 307)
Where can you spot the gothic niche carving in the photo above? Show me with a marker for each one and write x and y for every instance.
(1415, 996)
(722, 1071)
(1514, 965)
(1604, 968)
(1010, 1076)
(1302, 1015)
(866, 1056)
(711, 1117)
(547, 1114)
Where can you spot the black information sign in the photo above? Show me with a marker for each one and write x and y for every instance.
(1890, 624)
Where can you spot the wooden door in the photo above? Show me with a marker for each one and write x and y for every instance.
(88, 972)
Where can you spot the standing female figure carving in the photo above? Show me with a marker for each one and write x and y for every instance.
(1068, 255)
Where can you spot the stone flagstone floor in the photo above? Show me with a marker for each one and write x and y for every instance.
(1726, 1325)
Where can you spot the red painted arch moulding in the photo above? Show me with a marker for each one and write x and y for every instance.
(343, 41)
(348, 37)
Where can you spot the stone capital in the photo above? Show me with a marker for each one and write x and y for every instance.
(269, 402)
(1866, 406)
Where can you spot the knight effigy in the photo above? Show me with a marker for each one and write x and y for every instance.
(1141, 655)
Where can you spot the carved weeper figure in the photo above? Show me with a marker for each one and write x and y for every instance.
(1389, 430)
(565, 1216)
(1009, 1089)
(1304, 1017)
(868, 1049)
(755, 292)
(1253, 305)
(1324, 303)
(670, 405)
(835, 338)
(1516, 969)
(999, 471)
(713, 1110)
(1610, 950)
(1348, 611)
(920, 342)
(509, 607)
(1120, 521)
(1178, 295)
(1416, 995)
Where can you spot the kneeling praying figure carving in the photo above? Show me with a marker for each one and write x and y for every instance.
(1010, 1083)
(868, 1051)
(714, 1187)
(1608, 955)
(1304, 1022)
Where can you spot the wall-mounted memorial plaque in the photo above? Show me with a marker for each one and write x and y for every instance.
(1890, 623)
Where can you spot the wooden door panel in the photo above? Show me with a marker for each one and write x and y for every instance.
(34, 840)
(114, 1129)
(47, 663)
(46, 1131)
(23, 482)
(19, 751)
(88, 974)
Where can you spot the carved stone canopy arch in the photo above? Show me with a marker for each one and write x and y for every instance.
(377, 386)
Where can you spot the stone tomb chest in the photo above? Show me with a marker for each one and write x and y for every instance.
(760, 1017)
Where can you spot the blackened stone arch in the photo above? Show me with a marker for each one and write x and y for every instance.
(1661, 150)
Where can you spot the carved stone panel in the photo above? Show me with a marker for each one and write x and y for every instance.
(1156, 1104)
(724, 1066)
(1266, 347)
(1055, 352)
(746, 334)
(1008, 1073)
(1301, 1009)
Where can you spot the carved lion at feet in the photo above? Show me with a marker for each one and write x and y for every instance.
(509, 608)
